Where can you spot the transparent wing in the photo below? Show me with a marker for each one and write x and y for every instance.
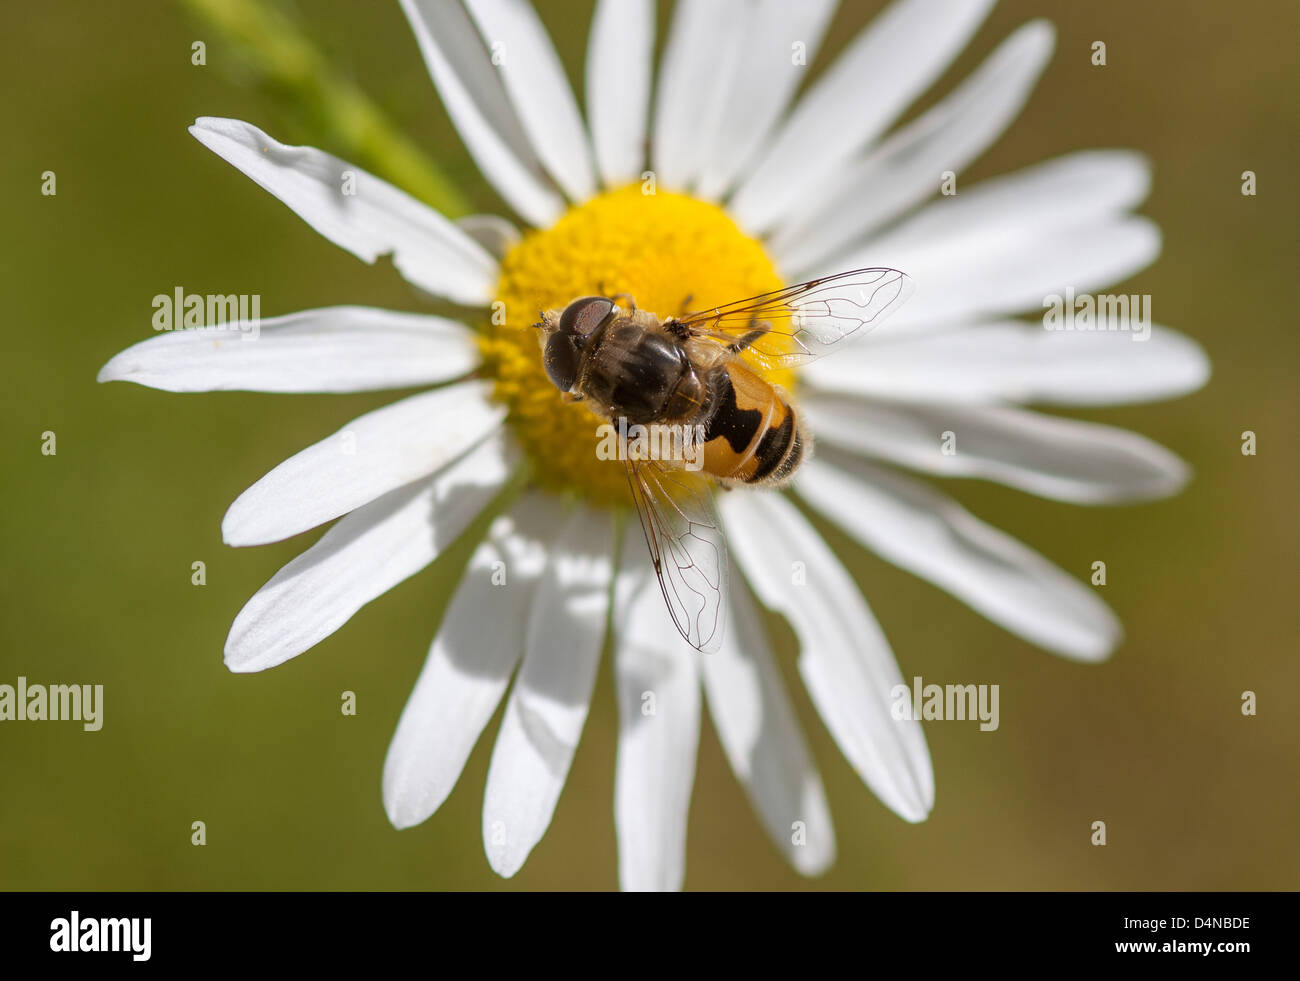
(800, 323)
(687, 547)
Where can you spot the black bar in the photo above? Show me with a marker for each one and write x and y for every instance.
(463, 932)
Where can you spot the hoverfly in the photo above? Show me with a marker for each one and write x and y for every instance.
(687, 371)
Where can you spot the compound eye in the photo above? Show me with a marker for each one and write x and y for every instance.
(581, 317)
(561, 360)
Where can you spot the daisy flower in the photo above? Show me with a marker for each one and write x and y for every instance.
(722, 177)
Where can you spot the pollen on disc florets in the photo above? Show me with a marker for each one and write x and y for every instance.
(669, 252)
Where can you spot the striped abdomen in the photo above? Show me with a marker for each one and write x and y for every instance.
(752, 435)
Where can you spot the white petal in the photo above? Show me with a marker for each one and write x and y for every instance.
(548, 706)
(931, 535)
(761, 86)
(701, 54)
(370, 456)
(761, 736)
(887, 66)
(620, 53)
(476, 649)
(658, 692)
(335, 349)
(1081, 462)
(536, 84)
(909, 166)
(497, 235)
(986, 274)
(1075, 191)
(363, 556)
(844, 658)
(375, 219)
(1017, 362)
(476, 101)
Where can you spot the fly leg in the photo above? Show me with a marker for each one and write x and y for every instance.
(747, 340)
(631, 300)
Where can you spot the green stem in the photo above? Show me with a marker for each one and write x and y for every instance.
(290, 67)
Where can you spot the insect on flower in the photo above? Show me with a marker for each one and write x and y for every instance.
(486, 434)
(687, 371)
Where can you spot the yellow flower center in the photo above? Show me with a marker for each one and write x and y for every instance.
(669, 252)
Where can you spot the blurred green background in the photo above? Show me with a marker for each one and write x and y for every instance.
(98, 540)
